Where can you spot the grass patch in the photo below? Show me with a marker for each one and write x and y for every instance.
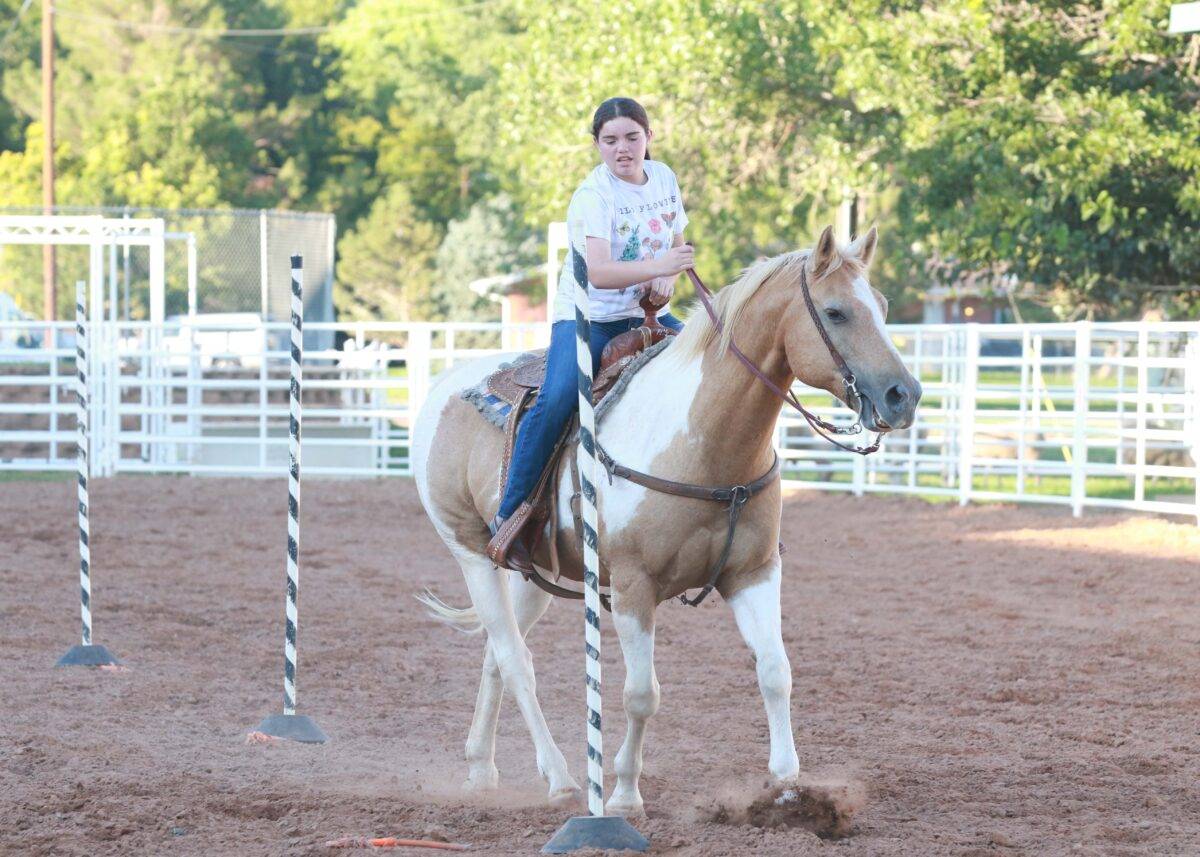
(37, 475)
(1106, 487)
(1099, 487)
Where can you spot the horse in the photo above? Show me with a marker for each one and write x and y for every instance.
(692, 414)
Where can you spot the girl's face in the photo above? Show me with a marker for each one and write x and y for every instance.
(622, 145)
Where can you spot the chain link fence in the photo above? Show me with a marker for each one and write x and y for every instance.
(241, 263)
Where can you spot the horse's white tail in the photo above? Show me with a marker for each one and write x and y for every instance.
(465, 620)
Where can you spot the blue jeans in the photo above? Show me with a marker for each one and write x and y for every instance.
(556, 402)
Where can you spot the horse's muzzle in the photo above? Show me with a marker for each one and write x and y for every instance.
(894, 410)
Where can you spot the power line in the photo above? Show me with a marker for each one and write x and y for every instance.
(251, 48)
(269, 32)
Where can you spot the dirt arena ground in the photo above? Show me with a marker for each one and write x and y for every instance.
(1001, 681)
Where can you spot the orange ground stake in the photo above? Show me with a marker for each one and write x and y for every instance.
(392, 842)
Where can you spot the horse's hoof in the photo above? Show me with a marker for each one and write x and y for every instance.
(628, 808)
(788, 776)
(484, 781)
(566, 795)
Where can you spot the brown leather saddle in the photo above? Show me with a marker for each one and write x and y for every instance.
(516, 541)
(621, 350)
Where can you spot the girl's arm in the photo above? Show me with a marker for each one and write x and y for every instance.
(606, 273)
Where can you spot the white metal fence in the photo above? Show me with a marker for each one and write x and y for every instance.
(1076, 414)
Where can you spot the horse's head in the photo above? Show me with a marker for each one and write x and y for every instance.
(853, 314)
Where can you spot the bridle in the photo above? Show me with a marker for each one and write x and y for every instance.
(734, 496)
(820, 426)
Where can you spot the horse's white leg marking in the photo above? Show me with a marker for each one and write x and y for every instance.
(482, 774)
(756, 609)
(506, 645)
(529, 603)
(507, 656)
(641, 703)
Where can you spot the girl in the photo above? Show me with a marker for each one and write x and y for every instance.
(633, 213)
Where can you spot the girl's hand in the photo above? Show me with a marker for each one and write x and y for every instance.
(661, 289)
(677, 260)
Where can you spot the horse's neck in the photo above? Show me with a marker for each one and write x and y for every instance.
(721, 416)
(735, 415)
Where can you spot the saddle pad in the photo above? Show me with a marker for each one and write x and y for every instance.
(495, 410)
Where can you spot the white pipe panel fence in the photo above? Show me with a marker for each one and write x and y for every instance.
(1084, 415)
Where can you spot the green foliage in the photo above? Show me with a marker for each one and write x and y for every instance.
(386, 265)
(1051, 143)
(1057, 144)
(732, 96)
(401, 68)
(489, 241)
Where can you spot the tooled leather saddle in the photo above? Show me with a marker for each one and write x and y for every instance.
(514, 544)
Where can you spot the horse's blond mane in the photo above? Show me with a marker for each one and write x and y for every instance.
(730, 302)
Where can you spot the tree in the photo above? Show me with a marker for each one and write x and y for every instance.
(402, 75)
(385, 269)
(1054, 143)
(1047, 142)
(737, 93)
(491, 240)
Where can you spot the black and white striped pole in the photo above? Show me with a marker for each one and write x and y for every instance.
(595, 830)
(296, 727)
(86, 653)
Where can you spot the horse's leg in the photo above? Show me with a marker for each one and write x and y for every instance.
(529, 603)
(506, 645)
(756, 609)
(633, 617)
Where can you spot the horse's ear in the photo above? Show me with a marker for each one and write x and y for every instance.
(822, 255)
(864, 247)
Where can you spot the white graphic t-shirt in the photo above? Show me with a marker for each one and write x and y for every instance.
(638, 221)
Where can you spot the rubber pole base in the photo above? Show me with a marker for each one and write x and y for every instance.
(606, 832)
(88, 656)
(293, 727)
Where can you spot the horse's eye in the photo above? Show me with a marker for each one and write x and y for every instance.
(835, 315)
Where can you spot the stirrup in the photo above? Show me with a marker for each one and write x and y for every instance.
(506, 549)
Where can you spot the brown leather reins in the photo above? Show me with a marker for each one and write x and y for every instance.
(737, 495)
(819, 425)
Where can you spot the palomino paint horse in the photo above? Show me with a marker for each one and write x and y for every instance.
(693, 414)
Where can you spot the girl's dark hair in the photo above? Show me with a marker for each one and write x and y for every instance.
(615, 108)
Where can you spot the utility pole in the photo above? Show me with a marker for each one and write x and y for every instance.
(847, 216)
(49, 287)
